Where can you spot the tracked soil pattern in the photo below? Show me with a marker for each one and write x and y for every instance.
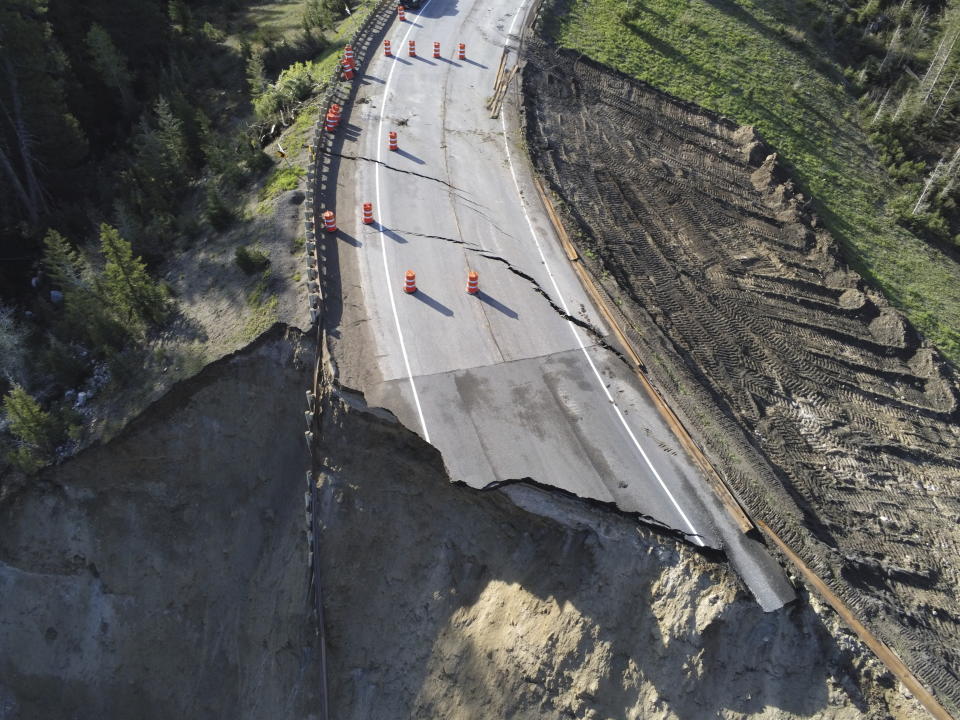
(835, 424)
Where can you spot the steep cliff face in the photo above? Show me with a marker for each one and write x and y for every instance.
(164, 574)
(442, 602)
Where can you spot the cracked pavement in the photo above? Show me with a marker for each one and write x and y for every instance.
(519, 380)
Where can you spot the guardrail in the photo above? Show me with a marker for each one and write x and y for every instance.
(320, 183)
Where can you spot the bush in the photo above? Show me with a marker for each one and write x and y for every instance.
(37, 432)
(282, 179)
(251, 260)
(295, 84)
(218, 213)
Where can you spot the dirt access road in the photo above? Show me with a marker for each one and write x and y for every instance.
(833, 421)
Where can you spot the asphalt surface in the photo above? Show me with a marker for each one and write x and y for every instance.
(501, 382)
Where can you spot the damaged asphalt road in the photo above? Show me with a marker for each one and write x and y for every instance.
(506, 383)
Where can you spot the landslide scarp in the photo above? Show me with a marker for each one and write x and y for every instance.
(834, 420)
(164, 573)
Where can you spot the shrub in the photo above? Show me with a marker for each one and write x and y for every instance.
(283, 179)
(218, 213)
(295, 84)
(37, 432)
(250, 260)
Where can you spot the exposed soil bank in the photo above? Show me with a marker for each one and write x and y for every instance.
(164, 573)
(445, 602)
(834, 422)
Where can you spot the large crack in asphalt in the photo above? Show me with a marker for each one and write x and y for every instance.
(460, 194)
(594, 333)
(388, 166)
(356, 400)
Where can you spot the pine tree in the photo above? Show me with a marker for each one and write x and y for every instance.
(66, 268)
(128, 289)
(110, 64)
(37, 431)
(171, 134)
(13, 366)
(86, 316)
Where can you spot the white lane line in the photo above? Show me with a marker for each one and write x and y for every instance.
(573, 328)
(383, 244)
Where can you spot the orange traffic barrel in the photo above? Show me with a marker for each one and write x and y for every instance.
(392, 141)
(410, 282)
(462, 52)
(367, 213)
(335, 109)
(347, 73)
(413, 48)
(330, 125)
(400, 14)
(329, 221)
(473, 282)
(386, 48)
(436, 49)
(348, 56)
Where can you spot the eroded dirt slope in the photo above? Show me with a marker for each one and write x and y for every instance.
(448, 603)
(836, 424)
(164, 574)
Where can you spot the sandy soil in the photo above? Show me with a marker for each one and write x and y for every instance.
(834, 421)
(164, 573)
(445, 602)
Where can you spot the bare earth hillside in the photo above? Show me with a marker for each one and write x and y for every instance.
(443, 602)
(164, 574)
(836, 424)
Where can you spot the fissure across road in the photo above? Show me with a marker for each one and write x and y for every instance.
(518, 380)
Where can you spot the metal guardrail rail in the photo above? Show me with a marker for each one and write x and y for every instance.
(319, 180)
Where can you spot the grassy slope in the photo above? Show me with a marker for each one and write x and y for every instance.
(749, 61)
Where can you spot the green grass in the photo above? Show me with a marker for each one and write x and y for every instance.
(283, 178)
(752, 62)
(263, 306)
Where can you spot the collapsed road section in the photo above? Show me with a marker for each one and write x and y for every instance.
(483, 340)
(835, 423)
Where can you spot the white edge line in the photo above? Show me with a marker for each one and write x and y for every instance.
(383, 245)
(523, 206)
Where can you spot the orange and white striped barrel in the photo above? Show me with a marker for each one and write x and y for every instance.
(392, 141)
(347, 72)
(412, 45)
(462, 52)
(386, 48)
(330, 125)
(436, 49)
(334, 111)
(400, 14)
(367, 213)
(329, 221)
(410, 282)
(348, 58)
(473, 282)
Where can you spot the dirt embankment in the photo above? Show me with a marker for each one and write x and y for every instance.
(164, 573)
(445, 602)
(836, 424)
